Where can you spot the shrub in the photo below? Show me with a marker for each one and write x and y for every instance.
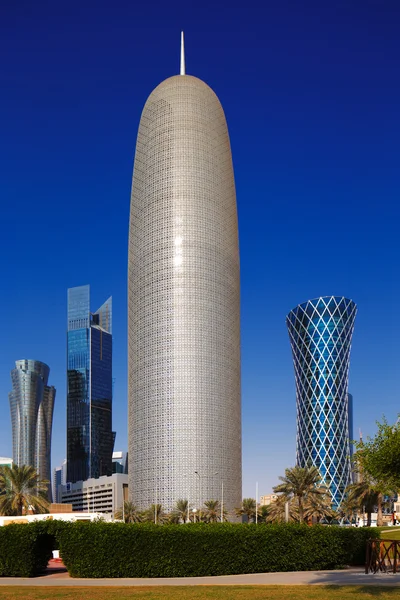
(25, 549)
(147, 550)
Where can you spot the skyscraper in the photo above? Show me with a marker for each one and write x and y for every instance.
(320, 334)
(59, 478)
(90, 439)
(31, 405)
(183, 302)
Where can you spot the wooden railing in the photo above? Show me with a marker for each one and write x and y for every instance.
(383, 556)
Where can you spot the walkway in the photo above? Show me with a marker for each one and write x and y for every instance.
(354, 576)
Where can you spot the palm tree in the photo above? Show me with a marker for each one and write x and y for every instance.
(21, 489)
(249, 507)
(348, 508)
(155, 514)
(277, 510)
(263, 512)
(129, 513)
(319, 506)
(213, 511)
(365, 495)
(180, 512)
(301, 483)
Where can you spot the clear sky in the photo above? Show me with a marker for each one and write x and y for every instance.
(311, 95)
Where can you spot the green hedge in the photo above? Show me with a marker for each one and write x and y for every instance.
(145, 550)
(25, 549)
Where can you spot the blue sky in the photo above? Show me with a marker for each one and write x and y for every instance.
(311, 95)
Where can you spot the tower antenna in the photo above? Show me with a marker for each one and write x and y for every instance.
(182, 55)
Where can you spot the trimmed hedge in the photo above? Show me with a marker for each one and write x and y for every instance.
(146, 550)
(25, 549)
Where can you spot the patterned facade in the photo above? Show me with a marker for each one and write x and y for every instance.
(320, 334)
(183, 303)
(32, 405)
(90, 439)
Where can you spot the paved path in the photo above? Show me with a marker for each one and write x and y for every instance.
(354, 576)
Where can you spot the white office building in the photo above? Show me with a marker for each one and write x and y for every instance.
(102, 495)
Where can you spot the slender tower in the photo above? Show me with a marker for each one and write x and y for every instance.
(183, 302)
(31, 405)
(90, 439)
(320, 334)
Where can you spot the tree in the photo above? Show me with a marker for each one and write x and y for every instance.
(263, 512)
(348, 508)
(302, 483)
(180, 512)
(368, 493)
(155, 514)
(22, 489)
(277, 510)
(319, 506)
(249, 507)
(378, 469)
(364, 496)
(379, 457)
(129, 513)
(213, 511)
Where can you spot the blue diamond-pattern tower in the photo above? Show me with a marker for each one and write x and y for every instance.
(320, 334)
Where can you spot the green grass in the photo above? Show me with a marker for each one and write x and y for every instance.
(393, 533)
(202, 593)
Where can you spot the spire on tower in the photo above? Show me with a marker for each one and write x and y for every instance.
(182, 54)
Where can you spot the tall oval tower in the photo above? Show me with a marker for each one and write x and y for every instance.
(183, 303)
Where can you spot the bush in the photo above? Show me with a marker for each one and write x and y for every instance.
(147, 550)
(25, 549)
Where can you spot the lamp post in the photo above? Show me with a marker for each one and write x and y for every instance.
(198, 475)
(155, 507)
(222, 501)
(256, 502)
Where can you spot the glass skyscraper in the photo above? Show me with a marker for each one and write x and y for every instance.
(31, 405)
(320, 334)
(90, 439)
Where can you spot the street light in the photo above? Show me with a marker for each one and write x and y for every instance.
(198, 475)
(256, 502)
(222, 501)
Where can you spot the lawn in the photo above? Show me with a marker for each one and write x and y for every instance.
(202, 593)
(392, 534)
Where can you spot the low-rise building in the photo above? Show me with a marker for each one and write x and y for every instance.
(268, 499)
(67, 516)
(102, 495)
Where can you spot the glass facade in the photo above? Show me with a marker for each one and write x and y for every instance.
(90, 439)
(31, 406)
(320, 334)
